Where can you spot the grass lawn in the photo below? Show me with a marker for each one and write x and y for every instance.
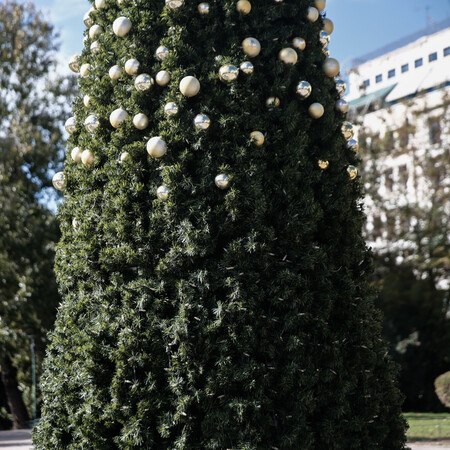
(428, 426)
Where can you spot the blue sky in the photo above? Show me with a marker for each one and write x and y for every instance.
(360, 25)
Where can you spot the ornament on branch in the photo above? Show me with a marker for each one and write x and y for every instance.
(303, 89)
(299, 43)
(122, 26)
(87, 18)
(348, 130)
(87, 101)
(143, 82)
(140, 121)
(162, 52)
(162, 78)
(156, 147)
(316, 110)
(326, 52)
(288, 56)
(222, 181)
(163, 193)
(95, 30)
(328, 26)
(312, 15)
(132, 66)
(247, 67)
(99, 4)
(84, 70)
(341, 86)
(75, 224)
(117, 117)
(251, 47)
(342, 106)
(353, 145)
(87, 158)
(273, 102)
(95, 47)
(59, 181)
(320, 5)
(171, 109)
(124, 157)
(174, 4)
(324, 38)
(352, 172)
(331, 67)
(203, 8)
(115, 72)
(257, 137)
(76, 154)
(74, 63)
(323, 164)
(189, 86)
(91, 123)
(244, 7)
(228, 73)
(71, 125)
(202, 122)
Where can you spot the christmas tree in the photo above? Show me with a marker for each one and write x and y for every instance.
(212, 265)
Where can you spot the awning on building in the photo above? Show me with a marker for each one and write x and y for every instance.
(369, 99)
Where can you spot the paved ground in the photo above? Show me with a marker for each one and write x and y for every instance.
(15, 440)
(429, 445)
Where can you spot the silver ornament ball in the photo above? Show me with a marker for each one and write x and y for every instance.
(91, 123)
(174, 4)
(163, 193)
(162, 52)
(202, 122)
(324, 38)
(272, 102)
(342, 106)
(87, 18)
(341, 86)
(143, 82)
(353, 145)
(59, 181)
(222, 181)
(203, 8)
(228, 73)
(348, 130)
(74, 63)
(247, 67)
(303, 89)
(71, 125)
(171, 109)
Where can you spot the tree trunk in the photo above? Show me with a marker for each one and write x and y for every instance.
(15, 401)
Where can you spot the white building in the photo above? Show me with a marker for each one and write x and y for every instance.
(399, 99)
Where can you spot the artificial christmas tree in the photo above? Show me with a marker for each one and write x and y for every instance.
(212, 264)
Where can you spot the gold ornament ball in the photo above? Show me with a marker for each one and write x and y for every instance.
(115, 72)
(316, 110)
(273, 102)
(171, 109)
(95, 30)
(203, 8)
(342, 106)
(288, 55)
(162, 78)
(87, 158)
(117, 117)
(174, 4)
(84, 70)
(251, 47)
(71, 125)
(352, 172)
(143, 82)
(122, 26)
(353, 145)
(140, 121)
(348, 130)
(247, 67)
(312, 15)
(132, 66)
(303, 89)
(163, 193)
(91, 123)
(222, 181)
(59, 181)
(124, 157)
(331, 67)
(74, 63)
(328, 26)
(299, 43)
(76, 154)
(162, 52)
(244, 6)
(323, 164)
(87, 101)
(320, 5)
(257, 137)
(156, 147)
(189, 86)
(202, 122)
(228, 73)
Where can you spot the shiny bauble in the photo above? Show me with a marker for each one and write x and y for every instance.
(353, 145)
(222, 181)
(257, 137)
(91, 123)
(115, 72)
(84, 70)
(174, 4)
(163, 193)
(76, 154)
(156, 147)
(312, 14)
(95, 31)
(251, 47)
(328, 26)
(74, 63)
(299, 43)
(171, 109)
(228, 73)
(203, 8)
(117, 117)
(288, 56)
(87, 101)
(162, 52)
(162, 78)
(247, 67)
(124, 157)
(71, 125)
(132, 66)
(316, 110)
(320, 5)
(341, 86)
(244, 6)
(99, 4)
(352, 172)
(202, 122)
(331, 67)
(303, 89)
(323, 164)
(95, 47)
(189, 86)
(326, 52)
(87, 158)
(59, 181)
(324, 38)
(75, 224)
(140, 121)
(143, 82)
(122, 26)
(348, 130)
(272, 102)
(87, 18)
(342, 106)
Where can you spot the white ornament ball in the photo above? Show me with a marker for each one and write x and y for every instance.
(163, 193)
(91, 123)
(132, 66)
(95, 31)
(222, 181)
(156, 147)
(140, 121)
(74, 63)
(312, 15)
(75, 224)
(59, 181)
(331, 67)
(171, 109)
(174, 4)
(117, 117)
(87, 18)
(251, 47)
(84, 70)
(70, 125)
(99, 4)
(87, 101)
(143, 82)
(76, 154)
(122, 26)
(115, 72)
(316, 110)
(288, 55)
(87, 158)
(162, 78)
(189, 86)
(125, 156)
(202, 122)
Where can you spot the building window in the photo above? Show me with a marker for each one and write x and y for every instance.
(391, 73)
(432, 57)
(446, 51)
(418, 62)
(405, 68)
(366, 83)
(379, 78)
